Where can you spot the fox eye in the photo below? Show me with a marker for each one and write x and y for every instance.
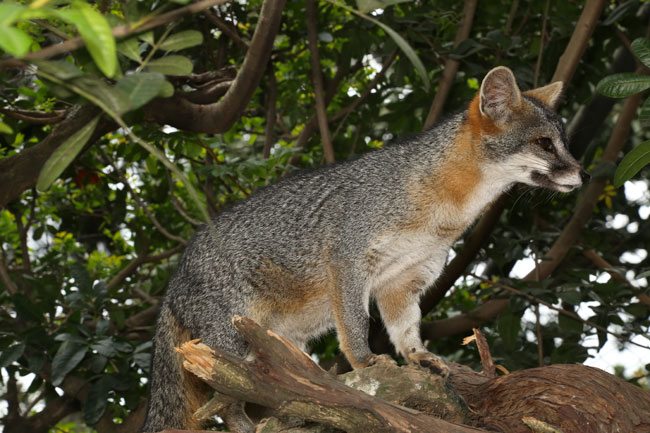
(545, 143)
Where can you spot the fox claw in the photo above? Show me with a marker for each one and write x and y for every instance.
(431, 362)
(382, 359)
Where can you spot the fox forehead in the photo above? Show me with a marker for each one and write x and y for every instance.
(541, 119)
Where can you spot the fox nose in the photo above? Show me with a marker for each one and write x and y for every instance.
(584, 176)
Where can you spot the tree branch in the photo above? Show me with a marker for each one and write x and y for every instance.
(131, 267)
(219, 117)
(451, 66)
(33, 116)
(6, 279)
(579, 41)
(271, 113)
(311, 126)
(317, 80)
(290, 382)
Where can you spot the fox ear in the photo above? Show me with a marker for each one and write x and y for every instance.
(499, 95)
(548, 95)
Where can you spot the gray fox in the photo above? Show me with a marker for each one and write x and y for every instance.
(305, 255)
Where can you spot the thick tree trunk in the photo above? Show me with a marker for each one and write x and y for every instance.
(388, 398)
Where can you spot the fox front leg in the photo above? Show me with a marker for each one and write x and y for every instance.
(400, 311)
(350, 308)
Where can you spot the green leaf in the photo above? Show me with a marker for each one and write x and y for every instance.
(572, 297)
(96, 32)
(466, 48)
(114, 98)
(11, 354)
(641, 49)
(634, 161)
(604, 169)
(621, 11)
(60, 69)
(644, 114)
(105, 347)
(5, 129)
(64, 155)
(130, 48)
(182, 40)
(642, 275)
(9, 13)
(370, 5)
(167, 90)
(66, 359)
(15, 41)
(147, 37)
(569, 324)
(97, 400)
(142, 87)
(623, 85)
(171, 65)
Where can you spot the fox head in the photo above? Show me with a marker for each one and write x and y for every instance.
(522, 135)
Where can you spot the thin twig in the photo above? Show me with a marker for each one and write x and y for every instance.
(139, 203)
(6, 279)
(120, 31)
(227, 28)
(271, 112)
(570, 314)
(38, 398)
(538, 66)
(22, 235)
(177, 204)
(367, 91)
(603, 264)
(317, 79)
(35, 117)
(511, 16)
(540, 340)
(131, 267)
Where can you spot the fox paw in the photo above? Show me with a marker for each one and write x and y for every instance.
(382, 359)
(430, 362)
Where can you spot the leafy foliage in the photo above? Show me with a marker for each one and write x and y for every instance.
(84, 261)
(622, 86)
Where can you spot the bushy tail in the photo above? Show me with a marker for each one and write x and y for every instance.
(174, 393)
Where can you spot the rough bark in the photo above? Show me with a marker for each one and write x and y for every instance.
(389, 398)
